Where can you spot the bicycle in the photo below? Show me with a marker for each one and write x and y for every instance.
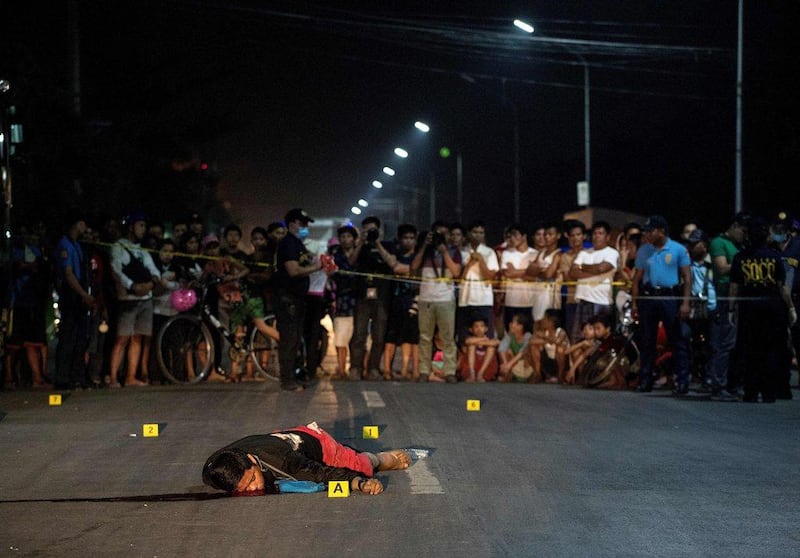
(186, 348)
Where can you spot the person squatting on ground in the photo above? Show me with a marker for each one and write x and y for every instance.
(549, 345)
(515, 357)
(478, 357)
(309, 453)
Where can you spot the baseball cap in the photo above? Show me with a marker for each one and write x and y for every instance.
(275, 226)
(697, 235)
(209, 239)
(298, 214)
(655, 222)
(134, 216)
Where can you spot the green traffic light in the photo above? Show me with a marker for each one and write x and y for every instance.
(444, 152)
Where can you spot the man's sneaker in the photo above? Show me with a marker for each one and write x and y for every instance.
(307, 381)
(451, 379)
(705, 388)
(374, 375)
(355, 375)
(292, 386)
(680, 390)
(723, 395)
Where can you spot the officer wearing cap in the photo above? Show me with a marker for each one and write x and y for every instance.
(662, 287)
(294, 264)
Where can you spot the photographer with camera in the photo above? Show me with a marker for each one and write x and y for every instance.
(375, 258)
(439, 264)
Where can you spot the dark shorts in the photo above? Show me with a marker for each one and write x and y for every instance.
(27, 326)
(401, 326)
(135, 318)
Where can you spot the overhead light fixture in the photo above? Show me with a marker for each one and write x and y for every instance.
(527, 27)
(389, 171)
(355, 210)
(363, 203)
(422, 127)
(377, 184)
(400, 152)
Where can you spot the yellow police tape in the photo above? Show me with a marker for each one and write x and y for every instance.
(401, 278)
(501, 283)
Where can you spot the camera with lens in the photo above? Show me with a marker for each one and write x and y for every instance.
(438, 239)
(372, 236)
(413, 310)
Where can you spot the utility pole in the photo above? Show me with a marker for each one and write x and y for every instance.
(739, 72)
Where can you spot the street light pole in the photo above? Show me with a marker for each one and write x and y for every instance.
(587, 142)
(739, 72)
(459, 188)
(587, 146)
(516, 163)
(516, 153)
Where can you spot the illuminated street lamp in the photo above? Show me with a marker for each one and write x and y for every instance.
(422, 127)
(527, 27)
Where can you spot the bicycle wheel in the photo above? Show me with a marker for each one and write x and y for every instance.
(263, 353)
(185, 349)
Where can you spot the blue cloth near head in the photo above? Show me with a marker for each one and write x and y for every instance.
(287, 486)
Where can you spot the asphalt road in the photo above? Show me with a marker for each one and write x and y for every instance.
(539, 471)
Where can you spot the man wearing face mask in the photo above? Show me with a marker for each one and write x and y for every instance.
(295, 264)
(783, 241)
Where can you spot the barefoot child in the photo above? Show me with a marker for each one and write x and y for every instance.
(579, 352)
(515, 357)
(478, 360)
(549, 346)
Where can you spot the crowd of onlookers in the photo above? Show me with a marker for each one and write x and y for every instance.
(623, 306)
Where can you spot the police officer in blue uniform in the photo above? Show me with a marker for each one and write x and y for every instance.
(662, 287)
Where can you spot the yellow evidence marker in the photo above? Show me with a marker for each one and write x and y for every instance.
(54, 399)
(338, 489)
(370, 432)
(150, 430)
(473, 404)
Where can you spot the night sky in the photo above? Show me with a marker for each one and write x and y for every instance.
(301, 103)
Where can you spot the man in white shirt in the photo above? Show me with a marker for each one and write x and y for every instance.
(594, 270)
(514, 262)
(475, 296)
(135, 276)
